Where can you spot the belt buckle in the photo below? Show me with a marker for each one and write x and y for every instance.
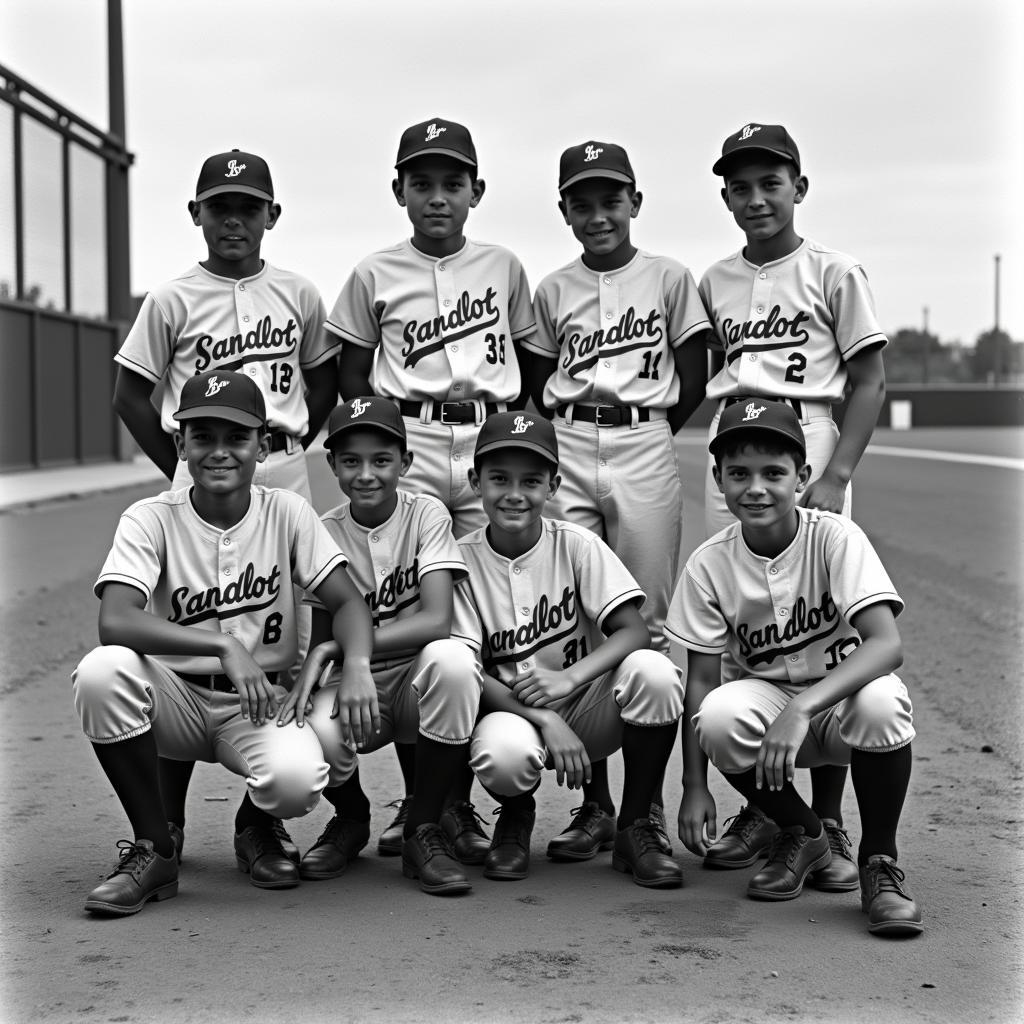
(599, 413)
(445, 406)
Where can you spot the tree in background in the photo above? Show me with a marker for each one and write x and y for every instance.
(995, 358)
(914, 356)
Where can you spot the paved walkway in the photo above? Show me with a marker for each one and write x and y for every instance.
(18, 490)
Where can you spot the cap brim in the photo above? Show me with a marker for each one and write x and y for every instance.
(220, 412)
(720, 165)
(537, 449)
(366, 425)
(792, 438)
(246, 190)
(461, 157)
(597, 173)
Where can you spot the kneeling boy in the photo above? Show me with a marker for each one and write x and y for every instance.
(804, 610)
(556, 693)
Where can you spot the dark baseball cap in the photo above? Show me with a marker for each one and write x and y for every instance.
(594, 160)
(517, 429)
(223, 395)
(753, 138)
(235, 172)
(370, 413)
(765, 414)
(447, 138)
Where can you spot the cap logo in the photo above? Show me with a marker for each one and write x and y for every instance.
(592, 153)
(234, 169)
(748, 132)
(521, 424)
(753, 411)
(358, 408)
(214, 386)
(433, 132)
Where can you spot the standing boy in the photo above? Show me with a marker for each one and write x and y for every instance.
(403, 559)
(568, 676)
(197, 620)
(435, 323)
(795, 321)
(802, 606)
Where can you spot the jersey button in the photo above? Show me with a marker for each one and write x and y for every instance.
(455, 348)
(525, 610)
(783, 613)
(245, 319)
(607, 316)
(607, 280)
(760, 309)
(456, 457)
(227, 572)
(774, 571)
(227, 541)
(762, 276)
(793, 657)
(517, 570)
(440, 266)
(524, 664)
(383, 572)
(753, 357)
(447, 302)
(241, 287)
(375, 538)
(607, 363)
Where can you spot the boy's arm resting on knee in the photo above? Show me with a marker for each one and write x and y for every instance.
(866, 372)
(323, 651)
(321, 396)
(354, 365)
(355, 703)
(691, 367)
(133, 404)
(697, 809)
(432, 621)
(536, 371)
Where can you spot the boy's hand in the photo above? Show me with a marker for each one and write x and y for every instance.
(299, 702)
(568, 755)
(540, 687)
(355, 705)
(826, 493)
(776, 759)
(256, 697)
(696, 810)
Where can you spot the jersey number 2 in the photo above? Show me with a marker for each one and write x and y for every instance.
(797, 364)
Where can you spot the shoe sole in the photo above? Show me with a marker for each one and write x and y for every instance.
(284, 883)
(506, 876)
(732, 865)
(320, 876)
(768, 896)
(165, 892)
(453, 888)
(387, 848)
(896, 928)
(833, 886)
(557, 854)
(666, 882)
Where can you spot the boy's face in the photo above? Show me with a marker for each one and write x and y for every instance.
(761, 193)
(233, 224)
(760, 487)
(437, 192)
(368, 465)
(221, 455)
(513, 485)
(599, 211)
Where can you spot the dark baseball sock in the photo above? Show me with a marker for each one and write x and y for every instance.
(827, 784)
(645, 753)
(174, 779)
(784, 806)
(880, 781)
(248, 814)
(437, 767)
(462, 783)
(406, 754)
(596, 790)
(131, 767)
(524, 803)
(349, 800)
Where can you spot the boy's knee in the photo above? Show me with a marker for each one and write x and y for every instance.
(652, 691)
(290, 786)
(452, 666)
(341, 758)
(507, 754)
(111, 695)
(729, 736)
(879, 716)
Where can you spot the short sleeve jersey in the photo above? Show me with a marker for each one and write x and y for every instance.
(613, 332)
(236, 581)
(544, 608)
(442, 328)
(269, 326)
(788, 327)
(786, 619)
(388, 562)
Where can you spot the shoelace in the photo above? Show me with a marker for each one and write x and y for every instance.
(517, 832)
(435, 843)
(133, 858)
(783, 846)
(334, 831)
(403, 806)
(585, 816)
(280, 832)
(647, 837)
(838, 841)
(887, 877)
(742, 824)
(466, 817)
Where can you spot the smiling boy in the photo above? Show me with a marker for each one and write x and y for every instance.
(802, 605)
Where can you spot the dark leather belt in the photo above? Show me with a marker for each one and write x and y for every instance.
(448, 412)
(606, 415)
(794, 403)
(218, 681)
(279, 440)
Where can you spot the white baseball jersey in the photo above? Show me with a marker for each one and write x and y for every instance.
(544, 608)
(269, 326)
(788, 327)
(613, 331)
(787, 618)
(236, 581)
(387, 562)
(442, 328)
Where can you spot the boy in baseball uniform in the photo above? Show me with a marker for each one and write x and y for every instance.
(435, 323)
(231, 311)
(568, 676)
(197, 622)
(793, 320)
(619, 360)
(403, 559)
(800, 603)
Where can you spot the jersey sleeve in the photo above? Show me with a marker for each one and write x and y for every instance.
(543, 341)
(149, 347)
(315, 554)
(684, 307)
(437, 548)
(856, 575)
(354, 316)
(856, 326)
(520, 310)
(136, 556)
(704, 291)
(318, 344)
(604, 582)
(467, 625)
(694, 618)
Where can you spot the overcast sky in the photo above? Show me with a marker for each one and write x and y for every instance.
(909, 117)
